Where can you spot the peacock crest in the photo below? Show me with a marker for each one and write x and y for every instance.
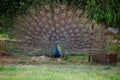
(47, 23)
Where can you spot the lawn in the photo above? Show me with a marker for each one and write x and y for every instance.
(59, 72)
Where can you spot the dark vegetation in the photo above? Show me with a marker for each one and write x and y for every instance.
(103, 11)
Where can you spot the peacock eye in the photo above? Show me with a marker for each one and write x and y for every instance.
(40, 24)
(38, 28)
(49, 15)
(81, 26)
(57, 25)
(47, 7)
(62, 22)
(76, 30)
(57, 31)
(72, 35)
(56, 18)
(49, 32)
(43, 19)
(28, 18)
(74, 25)
(69, 21)
(63, 15)
(46, 26)
(78, 12)
(76, 20)
(56, 10)
(84, 20)
(70, 31)
(60, 35)
(41, 12)
(52, 28)
(62, 29)
(37, 18)
(44, 30)
(67, 27)
(78, 34)
(84, 30)
(63, 7)
(50, 21)
(32, 24)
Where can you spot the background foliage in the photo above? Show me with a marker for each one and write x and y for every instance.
(103, 11)
(8, 11)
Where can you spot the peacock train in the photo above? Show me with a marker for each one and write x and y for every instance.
(57, 27)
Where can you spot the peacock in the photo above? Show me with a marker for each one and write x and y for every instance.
(58, 28)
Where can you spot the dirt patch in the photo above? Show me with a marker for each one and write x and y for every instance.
(37, 58)
(5, 59)
(45, 58)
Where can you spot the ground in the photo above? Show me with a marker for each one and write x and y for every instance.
(24, 68)
(58, 72)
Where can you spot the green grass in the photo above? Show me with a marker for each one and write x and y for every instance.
(59, 72)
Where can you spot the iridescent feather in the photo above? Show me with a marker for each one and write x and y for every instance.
(46, 24)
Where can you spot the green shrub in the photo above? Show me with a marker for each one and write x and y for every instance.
(113, 49)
